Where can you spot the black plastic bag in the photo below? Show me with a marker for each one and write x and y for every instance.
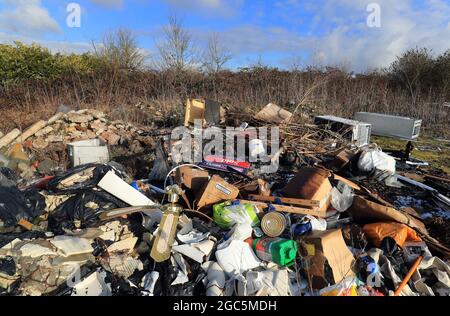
(16, 205)
(99, 171)
(83, 207)
(8, 177)
(7, 238)
(7, 266)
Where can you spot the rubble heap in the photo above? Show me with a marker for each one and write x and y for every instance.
(334, 219)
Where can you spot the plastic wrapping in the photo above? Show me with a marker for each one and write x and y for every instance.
(376, 160)
(8, 178)
(83, 209)
(80, 178)
(16, 205)
(399, 232)
(342, 197)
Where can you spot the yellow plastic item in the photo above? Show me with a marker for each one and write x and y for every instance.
(399, 232)
(352, 291)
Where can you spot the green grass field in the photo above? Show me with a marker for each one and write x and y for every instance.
(433, 150)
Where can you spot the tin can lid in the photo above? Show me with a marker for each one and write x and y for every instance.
(273, 224)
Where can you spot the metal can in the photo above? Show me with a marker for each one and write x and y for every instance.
(273, 224)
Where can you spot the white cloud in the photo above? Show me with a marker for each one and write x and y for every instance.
(108, 3)
(64, 47)
(340, 35)
(224, 8)
(26, 17)
(403, 26)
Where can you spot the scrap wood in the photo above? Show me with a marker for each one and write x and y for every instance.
(408, 276)
(435, 178)
(436, 245)
(293, 201)
(286, 209)
(127, 211)
(351, 184)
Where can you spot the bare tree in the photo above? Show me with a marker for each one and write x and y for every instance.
(215, 56)
(176, 50)
(120, 49)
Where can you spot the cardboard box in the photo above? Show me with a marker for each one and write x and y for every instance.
(327, 246)
(215, 191)
(342, 159)
(195, 110)
(311, 184)
(272, 113)
(205, 110)
(192, 178)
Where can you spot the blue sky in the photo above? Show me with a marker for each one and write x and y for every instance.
(278, 33)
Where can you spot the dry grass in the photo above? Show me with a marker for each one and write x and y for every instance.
(161, 95)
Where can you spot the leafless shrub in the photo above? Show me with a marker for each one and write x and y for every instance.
(176, 51)
(216, 55)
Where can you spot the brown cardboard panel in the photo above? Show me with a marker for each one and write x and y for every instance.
(257, 187)
(195, 110)
(329, 245)
(215, 191)
(272, 113)
(367, 211)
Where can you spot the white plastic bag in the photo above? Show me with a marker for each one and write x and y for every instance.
(236, 257)
(374, 159)
(342, 197)
(243, 228)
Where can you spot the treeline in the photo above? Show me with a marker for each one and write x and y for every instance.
(115, 76)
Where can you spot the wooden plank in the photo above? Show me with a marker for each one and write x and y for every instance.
(33, 129)
(115, 213)
(288, 209)
(347, 182)
(9, 138)
(429, 177)
(296, 202)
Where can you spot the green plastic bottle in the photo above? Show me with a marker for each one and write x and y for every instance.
(281, 251)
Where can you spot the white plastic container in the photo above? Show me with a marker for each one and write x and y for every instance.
(256, 148)
(88, 151)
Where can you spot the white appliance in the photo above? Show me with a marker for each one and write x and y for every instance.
(88, 151)
(357, 132)
(391, 125)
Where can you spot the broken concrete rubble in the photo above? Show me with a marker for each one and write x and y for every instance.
(315, 227)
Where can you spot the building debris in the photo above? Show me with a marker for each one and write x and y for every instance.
(92, 207)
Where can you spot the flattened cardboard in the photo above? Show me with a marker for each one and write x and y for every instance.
(272, 113)
(369, 212)
(328, 245)
(212, 111)
(257, 187)
(215, 191)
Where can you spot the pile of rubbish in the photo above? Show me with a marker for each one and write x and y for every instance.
(90, 207)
